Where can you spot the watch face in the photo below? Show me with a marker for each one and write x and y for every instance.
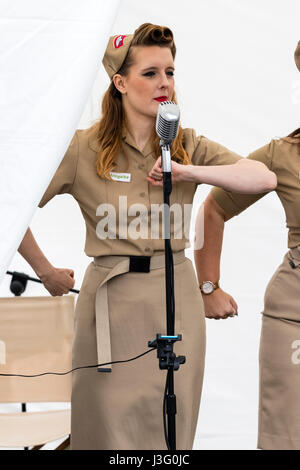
(207, 287)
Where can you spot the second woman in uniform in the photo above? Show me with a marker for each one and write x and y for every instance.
(279, 362)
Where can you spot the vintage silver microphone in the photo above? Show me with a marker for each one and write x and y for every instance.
(167, 123)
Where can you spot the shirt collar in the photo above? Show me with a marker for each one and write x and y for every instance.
(127, 139)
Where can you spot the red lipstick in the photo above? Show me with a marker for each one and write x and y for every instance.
(161, 99)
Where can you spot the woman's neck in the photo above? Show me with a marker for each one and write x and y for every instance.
(140, 127)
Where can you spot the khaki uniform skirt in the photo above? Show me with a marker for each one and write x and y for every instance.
(279, 407)
(123, 409)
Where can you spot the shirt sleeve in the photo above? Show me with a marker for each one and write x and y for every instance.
(235, 203)
(208, 152)
(63, 179)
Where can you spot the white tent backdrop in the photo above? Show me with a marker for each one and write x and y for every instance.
(49, 56)
(237, 84)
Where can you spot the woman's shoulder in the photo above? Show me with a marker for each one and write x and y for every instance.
(191, 139)
(195, 139)
(204, 151)
(199, 143)
(88, 137)
(283, 146)
(279, 150)
(189, 133)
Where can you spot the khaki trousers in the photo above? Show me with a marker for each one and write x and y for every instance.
(123, 409)
(279, 407)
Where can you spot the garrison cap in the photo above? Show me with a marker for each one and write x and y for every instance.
(116, 53)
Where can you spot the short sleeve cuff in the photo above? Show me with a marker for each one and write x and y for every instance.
(224, 200)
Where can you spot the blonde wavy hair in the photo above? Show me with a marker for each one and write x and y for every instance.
(109, 128)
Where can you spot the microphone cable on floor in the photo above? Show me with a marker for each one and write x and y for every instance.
(76, 368)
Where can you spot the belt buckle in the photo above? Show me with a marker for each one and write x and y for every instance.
(139, 264)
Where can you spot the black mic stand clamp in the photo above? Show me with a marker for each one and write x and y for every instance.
(165, 354)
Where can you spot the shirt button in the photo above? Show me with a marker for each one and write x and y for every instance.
(141, 166)
(147, 249)
(142, 194)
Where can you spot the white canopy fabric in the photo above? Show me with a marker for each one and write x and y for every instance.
(237, 84)
(50, 52)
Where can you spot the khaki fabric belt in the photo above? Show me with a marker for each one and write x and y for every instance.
(119, 265)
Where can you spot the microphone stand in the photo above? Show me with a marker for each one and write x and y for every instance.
(164, 344)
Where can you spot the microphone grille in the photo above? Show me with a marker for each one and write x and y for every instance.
(167, 121)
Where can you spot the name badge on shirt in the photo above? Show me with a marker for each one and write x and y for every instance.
(123, 177)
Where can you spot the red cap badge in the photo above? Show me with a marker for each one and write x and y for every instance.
(119, 41)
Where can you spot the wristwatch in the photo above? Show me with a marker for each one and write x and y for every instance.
(207, 287)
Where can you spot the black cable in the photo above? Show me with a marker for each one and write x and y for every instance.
(76, 368)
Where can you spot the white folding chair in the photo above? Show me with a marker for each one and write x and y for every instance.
(36, 335)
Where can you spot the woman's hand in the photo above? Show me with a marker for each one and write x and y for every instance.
(58, 281)
(179, 173)
(219, 305)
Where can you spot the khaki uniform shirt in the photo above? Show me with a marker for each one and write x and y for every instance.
(283, 158)
(77, 176)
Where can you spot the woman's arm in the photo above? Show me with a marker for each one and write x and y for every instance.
(56, 280)
(245, 176)
(218, 304)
